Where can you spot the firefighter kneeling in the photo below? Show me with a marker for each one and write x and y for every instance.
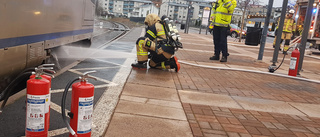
(158, 45)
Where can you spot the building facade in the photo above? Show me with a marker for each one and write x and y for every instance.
(178, 9)
(144, 10)
(123, 7)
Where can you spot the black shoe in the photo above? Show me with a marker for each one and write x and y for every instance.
(223, 59)
(215, 57)
(139, 65)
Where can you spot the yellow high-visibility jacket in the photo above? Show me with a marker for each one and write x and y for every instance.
(289, 25)
(223, 13)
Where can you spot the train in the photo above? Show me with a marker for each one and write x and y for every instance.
(30, 29)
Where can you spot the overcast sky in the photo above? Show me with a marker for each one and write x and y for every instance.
(276, 3)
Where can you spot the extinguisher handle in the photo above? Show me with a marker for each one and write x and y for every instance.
(46, 65)
(49, 74)
(86, 75)
(50, 71)
(46, 68)
(88, 72)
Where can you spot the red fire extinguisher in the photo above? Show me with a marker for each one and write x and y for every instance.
(294, 61)
(81, 106)
(38, 101)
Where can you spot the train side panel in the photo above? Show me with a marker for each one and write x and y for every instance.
(30, 28)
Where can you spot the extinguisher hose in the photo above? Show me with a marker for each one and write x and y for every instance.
(63, 103)
(27, 72)
(7, 92)
(284, 55)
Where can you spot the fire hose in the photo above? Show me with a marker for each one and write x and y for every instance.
(295, 41)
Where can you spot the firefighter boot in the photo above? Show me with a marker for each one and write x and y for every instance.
(285, 49)
(174, 63)
(140, 65)
(215, 57)
(223, 59)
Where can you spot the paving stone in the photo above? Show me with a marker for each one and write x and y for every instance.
(153, 92)
(207, 99)
(312, 110)
(151, 77)
(267, 105)
(150, 110)
(137, 126)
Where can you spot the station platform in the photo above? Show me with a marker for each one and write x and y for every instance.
(238, 98)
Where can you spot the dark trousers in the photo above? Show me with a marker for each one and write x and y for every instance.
(220, 40)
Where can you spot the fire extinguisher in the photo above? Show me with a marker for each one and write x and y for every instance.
(81, 106)
(294, 61)
(38, 101)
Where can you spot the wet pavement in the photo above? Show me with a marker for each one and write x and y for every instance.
(107, 66)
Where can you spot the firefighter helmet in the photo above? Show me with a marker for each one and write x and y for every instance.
(291, 11)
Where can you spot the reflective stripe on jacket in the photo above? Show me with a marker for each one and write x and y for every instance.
(154, 31)
(289, 25)
(223, 13)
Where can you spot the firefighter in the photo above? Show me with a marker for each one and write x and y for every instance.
(222, 18)
(289, 28)
(155, 43)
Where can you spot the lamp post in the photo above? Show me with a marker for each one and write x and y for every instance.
(168, 8)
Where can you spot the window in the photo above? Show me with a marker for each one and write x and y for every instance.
(170, 10)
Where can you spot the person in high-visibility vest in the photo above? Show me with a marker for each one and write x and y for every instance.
(289, 28)
(222, 18)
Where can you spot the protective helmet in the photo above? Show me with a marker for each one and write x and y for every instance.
(291, 11)
(151, 19)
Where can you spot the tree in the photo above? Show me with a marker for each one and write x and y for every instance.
(245, 5)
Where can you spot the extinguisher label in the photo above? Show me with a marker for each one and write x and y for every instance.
(35, 112)
(293, 62)
(85, 115)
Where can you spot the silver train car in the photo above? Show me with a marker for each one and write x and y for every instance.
(29, 29)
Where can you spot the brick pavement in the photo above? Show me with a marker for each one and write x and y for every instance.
(143, 98)
(211, 121)
(208, 121)
(240, 54)
(246, 84)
